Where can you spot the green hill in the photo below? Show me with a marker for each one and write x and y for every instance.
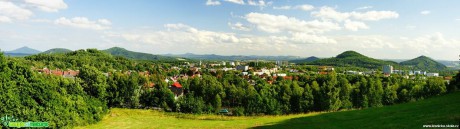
(57, 50)
(306, 60)
(117, 51)
(424, 63)
(352, 58)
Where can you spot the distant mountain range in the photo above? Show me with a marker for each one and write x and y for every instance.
(347, 58)
(23, 51)
(355, 59)
(233, 57)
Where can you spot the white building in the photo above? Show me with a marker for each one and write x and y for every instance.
(387, 69)
(242, 67)
(432, 74)
(280, 74)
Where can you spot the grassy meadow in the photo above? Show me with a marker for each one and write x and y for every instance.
(437, 110)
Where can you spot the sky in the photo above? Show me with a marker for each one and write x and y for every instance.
(389, 29)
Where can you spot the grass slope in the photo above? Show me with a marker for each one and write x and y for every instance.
(149, 119)
(437, 110)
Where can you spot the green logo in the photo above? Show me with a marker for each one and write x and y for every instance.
(7, 119)
(11, 121)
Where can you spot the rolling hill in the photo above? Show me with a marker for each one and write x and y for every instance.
(57, 50)
(117, 51)
(352, 58)
(306, 60)
(424, 63)
(23, 51)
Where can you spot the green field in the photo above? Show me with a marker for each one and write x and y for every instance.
(437, 110)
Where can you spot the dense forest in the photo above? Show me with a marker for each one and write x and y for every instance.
(66, 102)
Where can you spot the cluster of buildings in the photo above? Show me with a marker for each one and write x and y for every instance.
(58, 72)
(388, 70)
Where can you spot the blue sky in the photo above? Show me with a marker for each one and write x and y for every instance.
(397, 29)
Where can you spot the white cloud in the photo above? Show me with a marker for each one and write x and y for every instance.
(355, 25)
(411, 27)
(375, 15)
(213, 3)
(104, 22)
(239, 26)
(181, 33)
(305, 7)
(364, 8)
(278, 23)
(48, 5)
(9, 10)
(425, 12)
(236, 1)
(260, 3)
(84, 23)
(431, 41)
(311, 38)
(282, 7)
(4, 19)
(330, 13)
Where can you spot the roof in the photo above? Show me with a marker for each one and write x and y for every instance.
(177, 85)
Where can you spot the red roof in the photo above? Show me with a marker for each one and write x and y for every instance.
(177, 85)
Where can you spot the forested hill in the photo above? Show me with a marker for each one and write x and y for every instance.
(354, 59)
(79, 58)
(306, 60)
(57, 50)
(424, 63)
(117, 51)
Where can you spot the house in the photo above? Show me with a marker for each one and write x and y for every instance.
(176, 88)
(432, 74)
(57, 72)
(70, 73)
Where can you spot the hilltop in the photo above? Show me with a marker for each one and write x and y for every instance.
(424, 63)
(57, 50)
(118, 51)
(352, 58)
(23, 51)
